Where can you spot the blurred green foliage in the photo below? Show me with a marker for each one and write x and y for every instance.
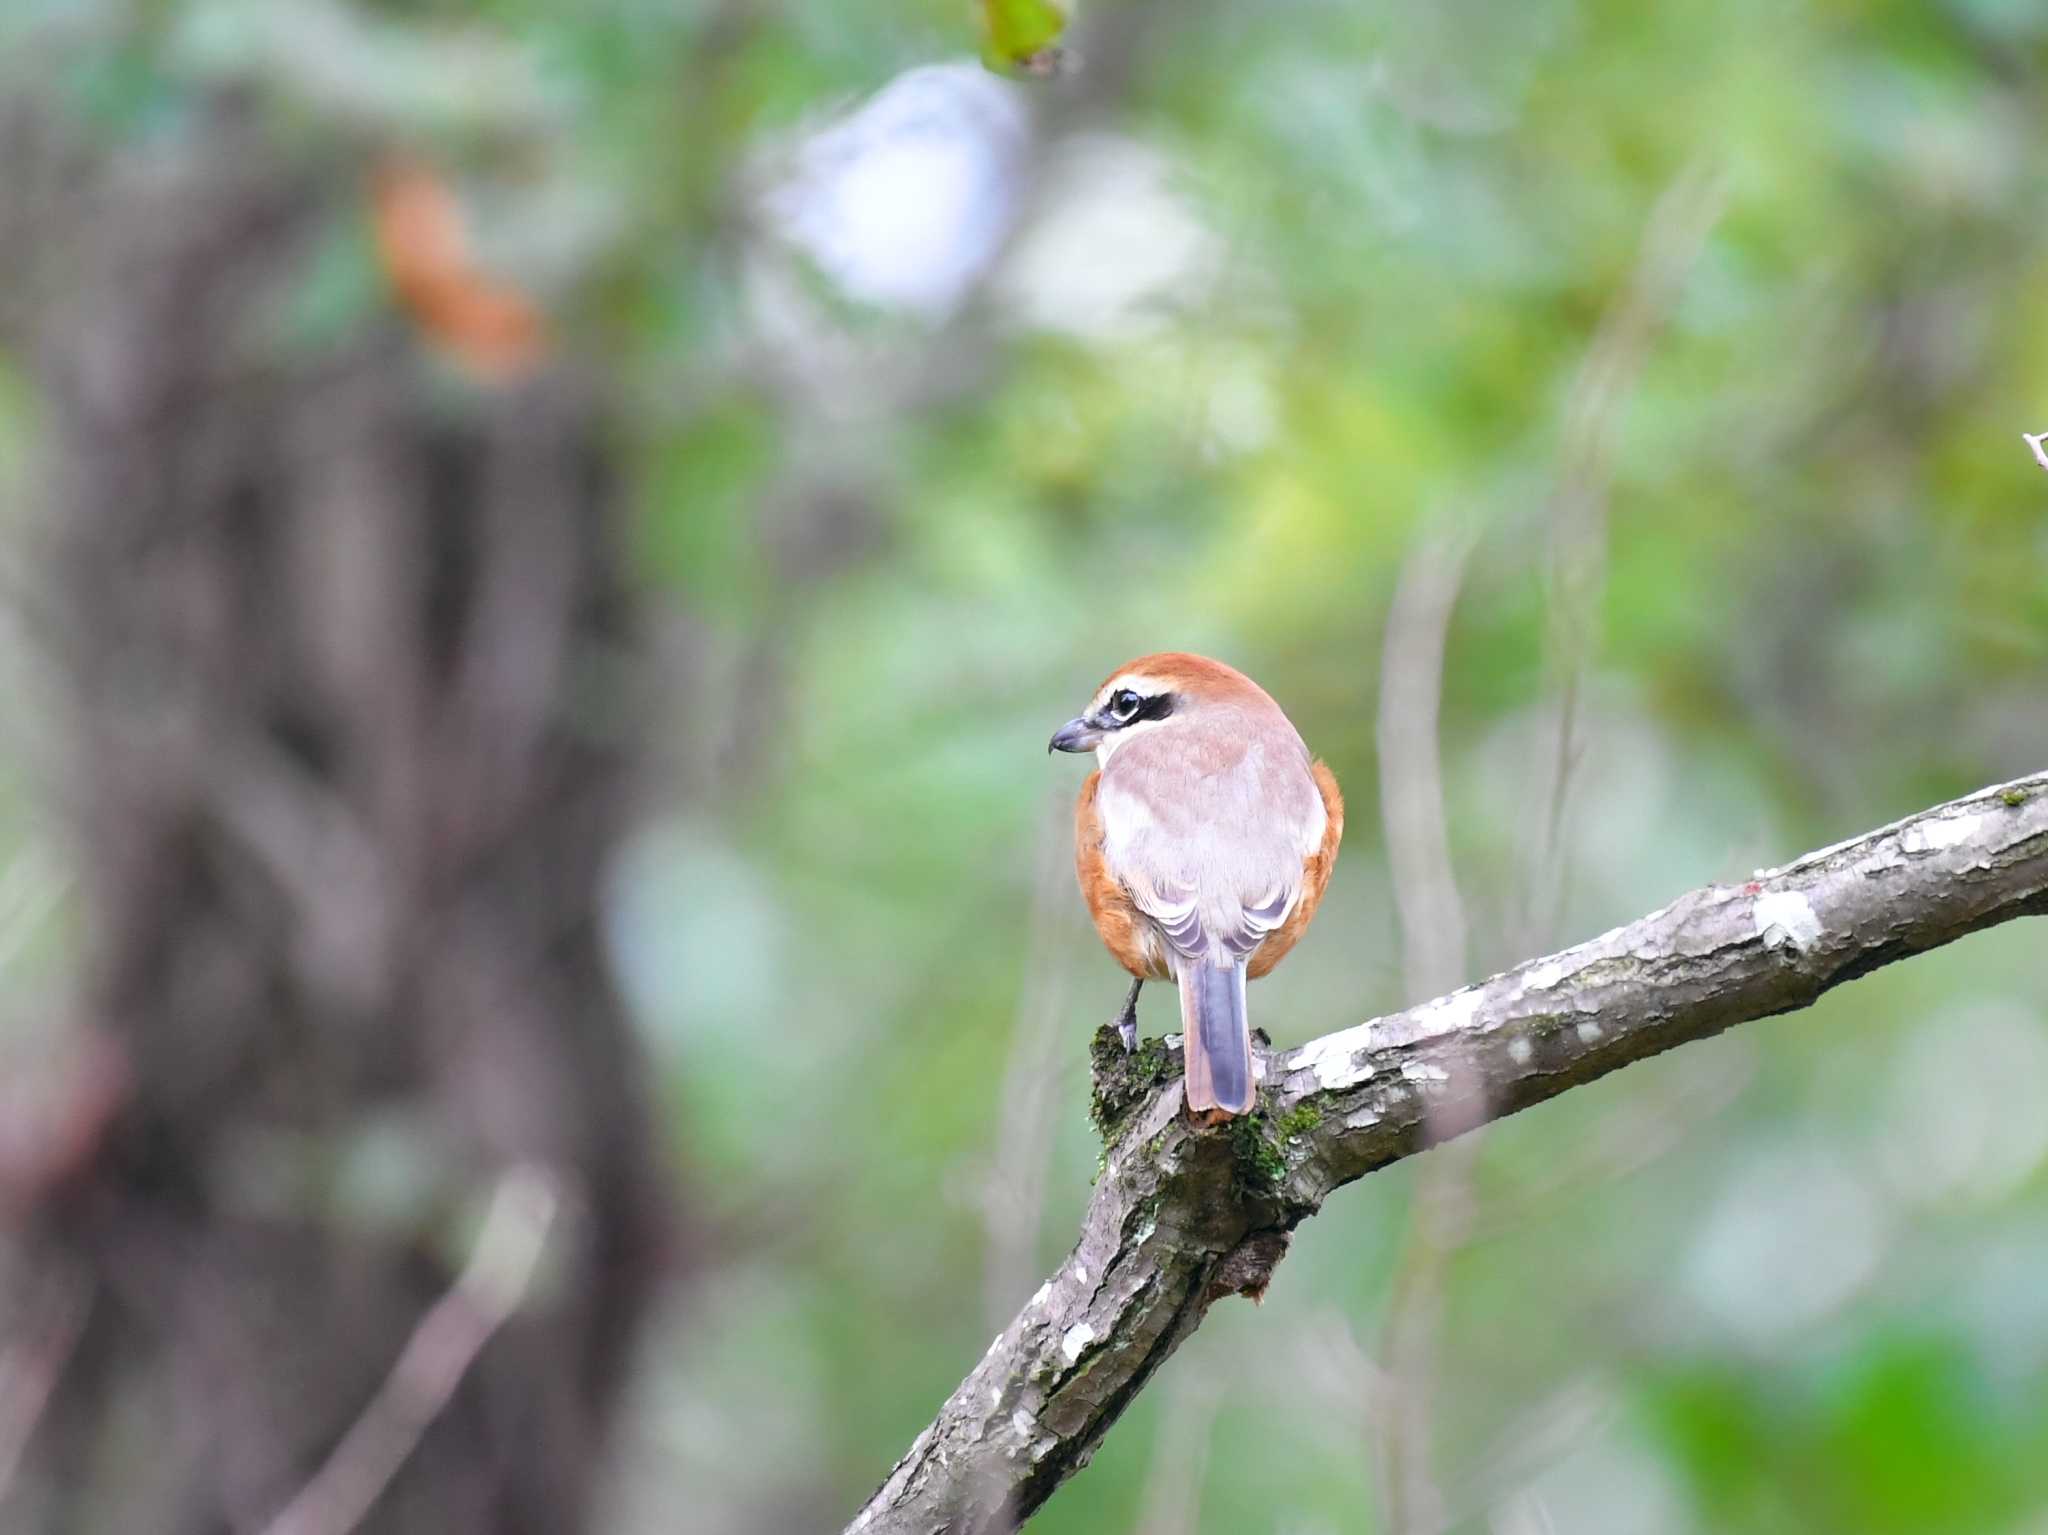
(1020, 34)
(1785, 1281)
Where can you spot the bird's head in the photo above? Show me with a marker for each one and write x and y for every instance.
(1151, 693)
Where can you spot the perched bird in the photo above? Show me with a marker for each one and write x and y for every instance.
(1204, 840)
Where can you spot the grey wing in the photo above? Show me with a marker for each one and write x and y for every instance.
(1215, 884)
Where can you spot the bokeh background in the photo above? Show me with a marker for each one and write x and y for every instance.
(1627, 398)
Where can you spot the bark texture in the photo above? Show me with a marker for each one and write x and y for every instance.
(339, 634)
(1183, 1216)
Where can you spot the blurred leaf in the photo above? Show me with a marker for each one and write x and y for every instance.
(489, 325)
(1022, 36)
(1911, 1444)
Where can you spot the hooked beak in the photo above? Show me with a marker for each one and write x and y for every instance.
(1077, 735)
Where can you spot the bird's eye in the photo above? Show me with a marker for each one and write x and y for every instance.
(1124, 703)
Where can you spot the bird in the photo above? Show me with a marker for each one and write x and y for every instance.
(1203, 842)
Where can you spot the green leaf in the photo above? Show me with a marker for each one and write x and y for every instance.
(1022, 36)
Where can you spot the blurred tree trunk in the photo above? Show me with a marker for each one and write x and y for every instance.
(342, 634)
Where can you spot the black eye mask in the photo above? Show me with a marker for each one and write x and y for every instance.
(1157, 707)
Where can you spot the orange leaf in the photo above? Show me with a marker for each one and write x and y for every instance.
(423, 247)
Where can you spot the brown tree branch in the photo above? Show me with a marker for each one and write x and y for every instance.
(1182, 1216)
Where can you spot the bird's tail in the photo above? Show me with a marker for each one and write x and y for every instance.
(1218, 1037)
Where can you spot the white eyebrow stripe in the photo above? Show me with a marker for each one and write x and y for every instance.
(1149, 686)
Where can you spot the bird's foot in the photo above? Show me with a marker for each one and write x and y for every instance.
(1127, 1019)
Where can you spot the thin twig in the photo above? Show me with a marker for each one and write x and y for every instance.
(1013, 1193)
(1433, 960)
(1432, 923)
(1172, 1500)
(434, 1361)
(1677, 231)
(1411, 764)
(29, 1371)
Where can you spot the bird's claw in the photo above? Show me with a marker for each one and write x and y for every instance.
(1127, 1017)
